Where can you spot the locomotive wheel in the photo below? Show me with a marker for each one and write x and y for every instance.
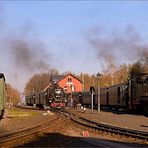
(145, 110)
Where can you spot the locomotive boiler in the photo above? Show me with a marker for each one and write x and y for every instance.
(57, 97)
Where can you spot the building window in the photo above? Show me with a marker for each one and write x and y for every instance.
(69, 80)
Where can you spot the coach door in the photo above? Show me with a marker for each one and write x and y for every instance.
(118, 95)
(107, 97)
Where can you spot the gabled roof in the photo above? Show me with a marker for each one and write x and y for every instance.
(58, 78)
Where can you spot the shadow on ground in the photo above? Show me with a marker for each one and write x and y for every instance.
(59, 140)
(119, 112)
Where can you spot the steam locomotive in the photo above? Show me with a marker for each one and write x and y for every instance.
(2, 94)
(52, 97)
(131, 96)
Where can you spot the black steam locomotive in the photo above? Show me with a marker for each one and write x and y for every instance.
(131, 96)
(52, 97)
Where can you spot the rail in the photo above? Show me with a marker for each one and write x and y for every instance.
(108, 128)
(9, 136)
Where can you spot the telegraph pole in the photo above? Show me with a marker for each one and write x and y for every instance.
(98, 77)
(83, 81)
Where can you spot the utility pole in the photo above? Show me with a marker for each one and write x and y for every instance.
(98, 77)
(83, 81)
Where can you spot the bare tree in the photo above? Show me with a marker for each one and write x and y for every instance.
(37, 83)
(13, 95)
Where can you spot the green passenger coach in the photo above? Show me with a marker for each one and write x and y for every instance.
(2, 94)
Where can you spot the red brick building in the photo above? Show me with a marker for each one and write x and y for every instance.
(69, 82)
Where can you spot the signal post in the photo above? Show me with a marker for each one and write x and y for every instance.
(92, 91)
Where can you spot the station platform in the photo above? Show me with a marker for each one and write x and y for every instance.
(115, 118)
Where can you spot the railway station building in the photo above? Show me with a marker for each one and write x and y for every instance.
(68, 82)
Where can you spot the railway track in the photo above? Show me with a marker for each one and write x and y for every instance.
(103, 127)
(107, 128)
(9, 137)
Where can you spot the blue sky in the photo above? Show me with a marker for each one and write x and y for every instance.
(68, 29)
(58, 18)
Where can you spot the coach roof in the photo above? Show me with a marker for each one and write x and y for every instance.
(2, 76)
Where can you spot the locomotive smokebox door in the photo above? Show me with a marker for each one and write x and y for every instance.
(92, 89)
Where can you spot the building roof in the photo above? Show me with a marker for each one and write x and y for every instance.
(58, 78)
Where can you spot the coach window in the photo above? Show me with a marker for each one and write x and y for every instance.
(107, 96)
(123, 93)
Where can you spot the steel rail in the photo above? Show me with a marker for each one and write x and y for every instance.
(108, 128)
(29, 131)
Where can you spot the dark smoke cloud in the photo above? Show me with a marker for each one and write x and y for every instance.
(24, 54)
(119, 47)
(29, 56)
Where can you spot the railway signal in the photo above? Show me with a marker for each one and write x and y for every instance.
(92, 89)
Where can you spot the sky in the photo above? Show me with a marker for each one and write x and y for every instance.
(76, 36)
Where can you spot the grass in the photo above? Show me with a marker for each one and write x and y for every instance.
(15, 112)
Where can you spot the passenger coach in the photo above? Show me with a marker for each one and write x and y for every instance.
(131, 96)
